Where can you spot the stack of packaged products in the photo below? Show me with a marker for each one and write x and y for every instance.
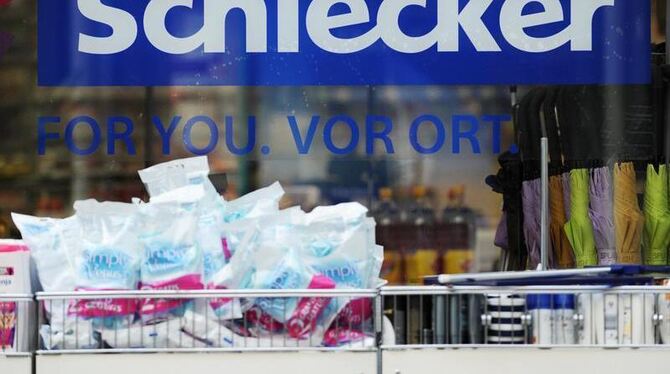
(187, 237)
(16, 318)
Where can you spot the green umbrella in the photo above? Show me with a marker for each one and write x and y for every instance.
(579, 228)
(656, 235)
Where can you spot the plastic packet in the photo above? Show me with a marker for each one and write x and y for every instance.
(164, 181)
(259, 322)
(234, 274)
(49, 240)
(208, 329)
(216, 254)
(237, 231)
(304, 319)
(216, 268)
(355, 313)
(277, 265)
(338, 242)
(108, 256)
(281, 270)
(171, 175)
(74, 333)
(337, 337)
(239, 273)
(171, 256)
(258, 203)
(166, 334)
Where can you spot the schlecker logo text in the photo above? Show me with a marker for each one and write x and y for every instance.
(320, 24)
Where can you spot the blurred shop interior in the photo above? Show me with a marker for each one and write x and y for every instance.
(437, 212)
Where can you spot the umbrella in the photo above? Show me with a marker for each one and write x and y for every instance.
(565, 180)
(579, 228)
(531, 220)
(600, 193)
(628, 219)
(508, 183)
(579, 132)
(562, 249)
(656, 235)
(501, 233)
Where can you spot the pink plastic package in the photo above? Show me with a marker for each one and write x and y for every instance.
(309, 309)
(336, 337)
(260, 321)
(355, 313)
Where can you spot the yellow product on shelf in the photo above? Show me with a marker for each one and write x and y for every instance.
(392, 268)
(457, 261)
(420, 263)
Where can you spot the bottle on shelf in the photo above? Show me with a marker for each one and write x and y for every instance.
(387, 216)
(421, 257)
(456, 233)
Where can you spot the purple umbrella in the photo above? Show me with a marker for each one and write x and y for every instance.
(565, 177)
(501, 233)
(530, 195)
(602, 215)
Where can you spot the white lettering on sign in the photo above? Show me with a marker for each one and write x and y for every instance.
(320, 25)
(124, 28)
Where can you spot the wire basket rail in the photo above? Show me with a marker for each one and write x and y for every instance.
(208, 320)
(410, 317)
(541, 316)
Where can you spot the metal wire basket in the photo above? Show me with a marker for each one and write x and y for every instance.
(208, 320)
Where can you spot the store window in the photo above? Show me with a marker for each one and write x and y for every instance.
(408, 108)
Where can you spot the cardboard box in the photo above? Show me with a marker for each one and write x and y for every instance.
(17, 320)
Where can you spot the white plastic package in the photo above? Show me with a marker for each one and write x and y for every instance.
(208, 329)
(108, 256)
(258, 203)
(338, 242)
(243, 242)
(54, 244)
(171, 256)
(49, 240)
(166, 334)
(277, 264)
(69, 334)
(175, 174)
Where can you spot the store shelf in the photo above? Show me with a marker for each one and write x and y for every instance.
(177, 363)
(16, 363)
(526, 360)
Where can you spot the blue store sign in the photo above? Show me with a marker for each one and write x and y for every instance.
(342, 42)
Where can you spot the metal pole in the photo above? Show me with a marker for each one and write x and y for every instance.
(544, 221)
